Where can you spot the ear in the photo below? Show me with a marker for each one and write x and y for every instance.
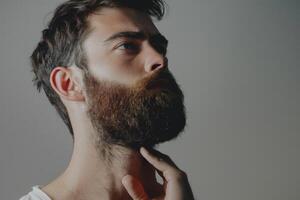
(64, 85)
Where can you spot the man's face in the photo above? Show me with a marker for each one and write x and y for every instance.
(133, 100)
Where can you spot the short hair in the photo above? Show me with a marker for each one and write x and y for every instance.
(61, 42)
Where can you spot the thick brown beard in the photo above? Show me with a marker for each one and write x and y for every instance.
(139, 115)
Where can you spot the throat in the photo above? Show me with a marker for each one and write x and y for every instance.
(93, 177)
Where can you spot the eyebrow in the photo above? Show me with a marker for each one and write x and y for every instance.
(137, 35)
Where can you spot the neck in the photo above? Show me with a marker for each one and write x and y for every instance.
(95, 173)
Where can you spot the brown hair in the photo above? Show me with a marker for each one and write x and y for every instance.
(61, 41)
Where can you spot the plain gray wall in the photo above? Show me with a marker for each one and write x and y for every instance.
(238, 64)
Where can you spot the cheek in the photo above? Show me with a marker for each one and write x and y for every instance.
(117, 67)
(125, 70)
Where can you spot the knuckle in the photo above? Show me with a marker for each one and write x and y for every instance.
(180, 175)
(183, 174)
(157, 159)
(160, 158)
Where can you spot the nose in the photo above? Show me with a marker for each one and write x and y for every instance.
(154, 60)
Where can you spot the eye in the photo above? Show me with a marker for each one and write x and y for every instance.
(129, 46)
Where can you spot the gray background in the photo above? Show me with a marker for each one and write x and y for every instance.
(238, 64)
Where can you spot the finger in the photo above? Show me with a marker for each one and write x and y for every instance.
(165, 166)
(157, 159)
(134, 188)
(159, 154)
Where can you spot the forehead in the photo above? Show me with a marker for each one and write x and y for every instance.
(108, 21)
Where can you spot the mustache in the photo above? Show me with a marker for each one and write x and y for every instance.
(162, 79)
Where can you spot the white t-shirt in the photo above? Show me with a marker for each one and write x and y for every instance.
(36, 194)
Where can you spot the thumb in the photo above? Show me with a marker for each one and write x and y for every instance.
(134, 188)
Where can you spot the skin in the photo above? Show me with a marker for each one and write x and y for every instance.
(132, 173)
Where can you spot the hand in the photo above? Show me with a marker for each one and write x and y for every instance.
(175, 186)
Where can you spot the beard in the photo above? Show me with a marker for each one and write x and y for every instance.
(144, 114)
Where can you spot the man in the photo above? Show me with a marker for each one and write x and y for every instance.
(103, 66)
